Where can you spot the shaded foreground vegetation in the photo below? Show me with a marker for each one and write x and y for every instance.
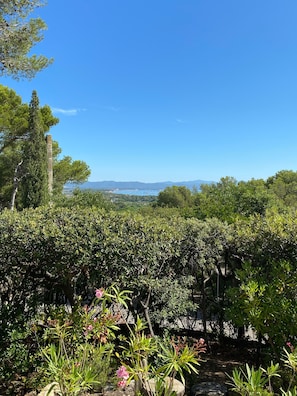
(243, 272)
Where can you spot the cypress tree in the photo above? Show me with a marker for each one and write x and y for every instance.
(35, 183)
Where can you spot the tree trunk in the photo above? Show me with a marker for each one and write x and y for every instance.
(203, 304)
(16, 180)
(146, 313)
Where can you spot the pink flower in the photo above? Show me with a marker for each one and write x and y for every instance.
(122, 384)
(88, 329)
(122, 373)
(99, 293)
(201, 341)
(289, 344)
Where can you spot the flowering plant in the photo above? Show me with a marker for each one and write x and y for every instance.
(78, 345)
(123, 374)
(176, 356)
(99, 293)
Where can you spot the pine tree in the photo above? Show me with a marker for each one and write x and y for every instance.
(35, 183)
(19, 32)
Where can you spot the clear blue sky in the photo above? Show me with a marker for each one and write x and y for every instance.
(174, 90)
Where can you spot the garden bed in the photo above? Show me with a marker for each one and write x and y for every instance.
(217, 364)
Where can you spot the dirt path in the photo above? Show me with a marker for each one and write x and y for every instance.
(221, 360)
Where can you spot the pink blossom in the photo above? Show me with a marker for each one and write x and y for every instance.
(122, 384)
(201, 341)
(99, 293)
(122, 373)
(289, 344)
(88, 328)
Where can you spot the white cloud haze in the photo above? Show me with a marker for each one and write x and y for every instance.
(67, 112)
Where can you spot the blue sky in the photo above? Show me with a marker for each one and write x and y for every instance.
(171, 89)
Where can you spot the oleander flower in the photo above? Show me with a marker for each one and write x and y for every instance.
(122, 373)
(99, 293)
(289, 345)
(122, 384)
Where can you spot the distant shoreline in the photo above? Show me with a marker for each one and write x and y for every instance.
(134, 185)
(117, 191)
(137, 192)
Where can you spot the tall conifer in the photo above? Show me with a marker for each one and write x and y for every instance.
(35, 183)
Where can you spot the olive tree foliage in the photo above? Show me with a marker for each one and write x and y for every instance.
(18, 35)
(145, 257)
(204, 248)
(54, 254)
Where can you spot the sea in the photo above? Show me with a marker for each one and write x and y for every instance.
(136, 192)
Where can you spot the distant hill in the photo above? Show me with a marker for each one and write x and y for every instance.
(135, 185)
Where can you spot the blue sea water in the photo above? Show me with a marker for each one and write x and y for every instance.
(137, 192)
